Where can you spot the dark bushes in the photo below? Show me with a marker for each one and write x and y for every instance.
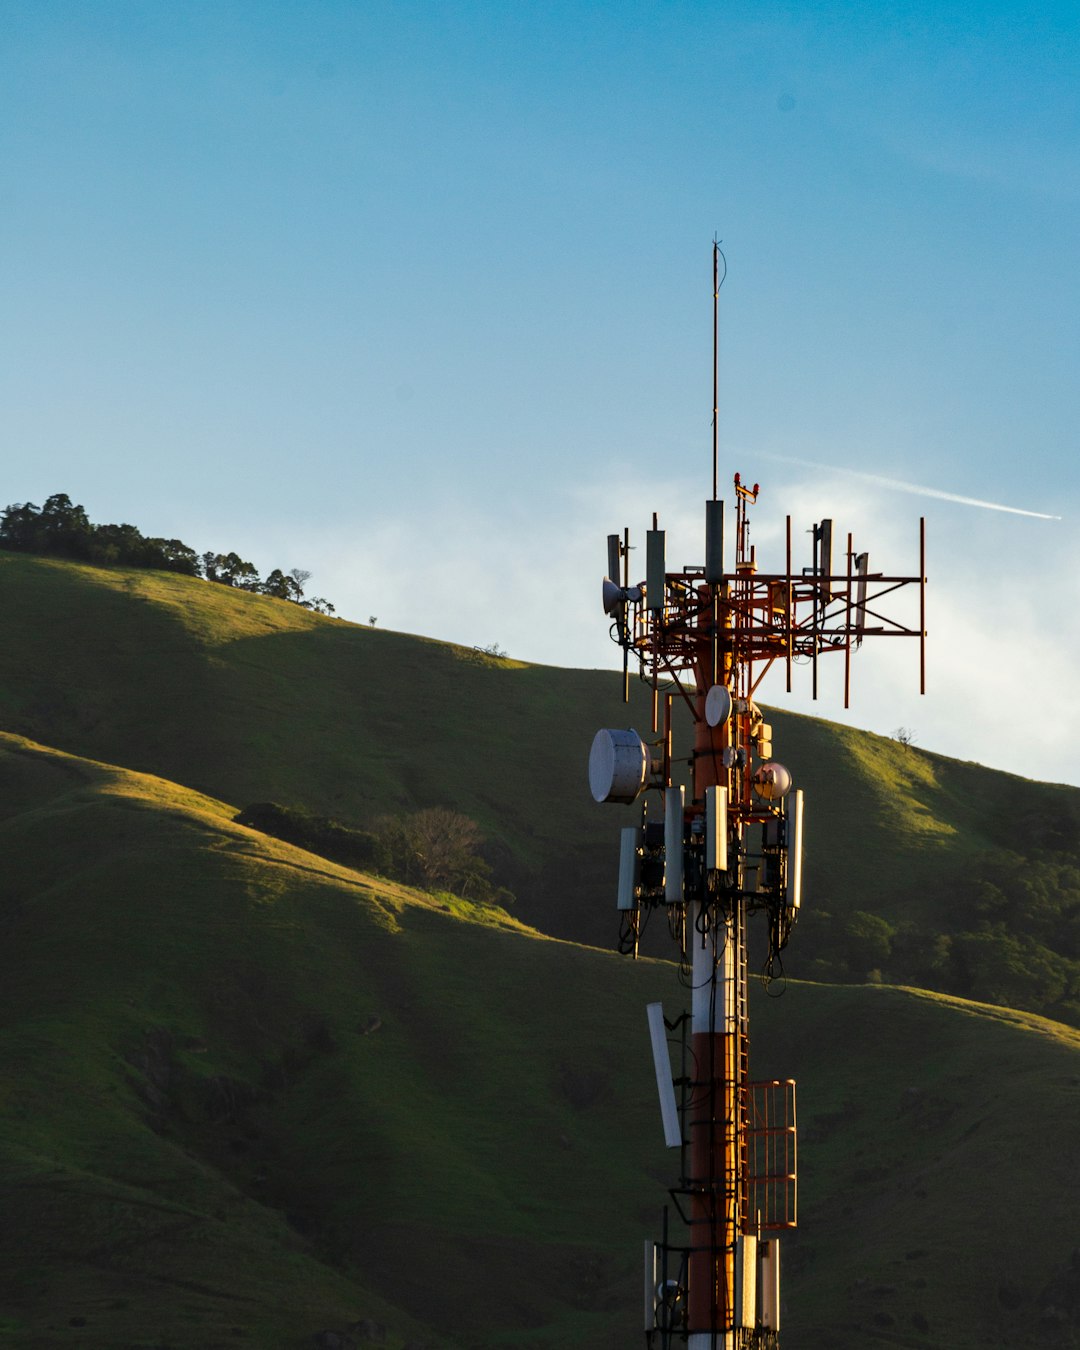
(436, 849)
(318, 834)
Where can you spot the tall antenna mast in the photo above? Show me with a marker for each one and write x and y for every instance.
(713, 850)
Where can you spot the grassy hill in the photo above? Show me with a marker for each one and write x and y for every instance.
(250, 1095)
(254, 699)
(920, 869)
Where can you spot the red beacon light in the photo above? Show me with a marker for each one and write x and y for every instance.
(748, 494)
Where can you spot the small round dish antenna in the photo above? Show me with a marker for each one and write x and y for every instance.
(616, 596)
(717, 705)
(772, 781)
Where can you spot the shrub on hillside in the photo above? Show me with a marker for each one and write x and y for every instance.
(435, 849)
(317, 834)
(997, 966)
(986, 956)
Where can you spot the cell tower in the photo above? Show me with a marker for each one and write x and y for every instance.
(711, 853)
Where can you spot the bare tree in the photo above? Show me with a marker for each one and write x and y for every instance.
(436, 848)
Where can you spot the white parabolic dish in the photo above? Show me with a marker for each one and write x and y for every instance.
(717, 705)
(618, 766)
(772, 781)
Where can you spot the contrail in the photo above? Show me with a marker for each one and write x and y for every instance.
(913, 488)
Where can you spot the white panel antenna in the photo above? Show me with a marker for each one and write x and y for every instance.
(714, 542)
(655, 568)
(862, 568)
(823, 558)
(716, 829)
(794, 862)
(629, 867)
(650, 1285)
(746, 1272)
(770, 1284)
(669, 1112)
(674, 800)
(614, 553)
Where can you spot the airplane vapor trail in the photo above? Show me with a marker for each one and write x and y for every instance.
(914, 488)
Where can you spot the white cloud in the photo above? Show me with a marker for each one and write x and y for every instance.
(1002, 597)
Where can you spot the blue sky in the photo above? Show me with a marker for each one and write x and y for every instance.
(418, 296)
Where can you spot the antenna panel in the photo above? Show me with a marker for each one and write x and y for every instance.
(716, 829)
(669, 1112)
(862, 568)
(770, 1284)
(629, 867)
(746, 1272)
(823, 557)
(714, 542)
(795, 842)
(613, 552)
(650, 1285)
(674, 799)
(655, 568)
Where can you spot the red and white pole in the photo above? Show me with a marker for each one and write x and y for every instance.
(716, 935)
(714, 1168)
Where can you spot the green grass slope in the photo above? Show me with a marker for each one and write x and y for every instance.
(920, 869)
(253, 699)
(249, 1095)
